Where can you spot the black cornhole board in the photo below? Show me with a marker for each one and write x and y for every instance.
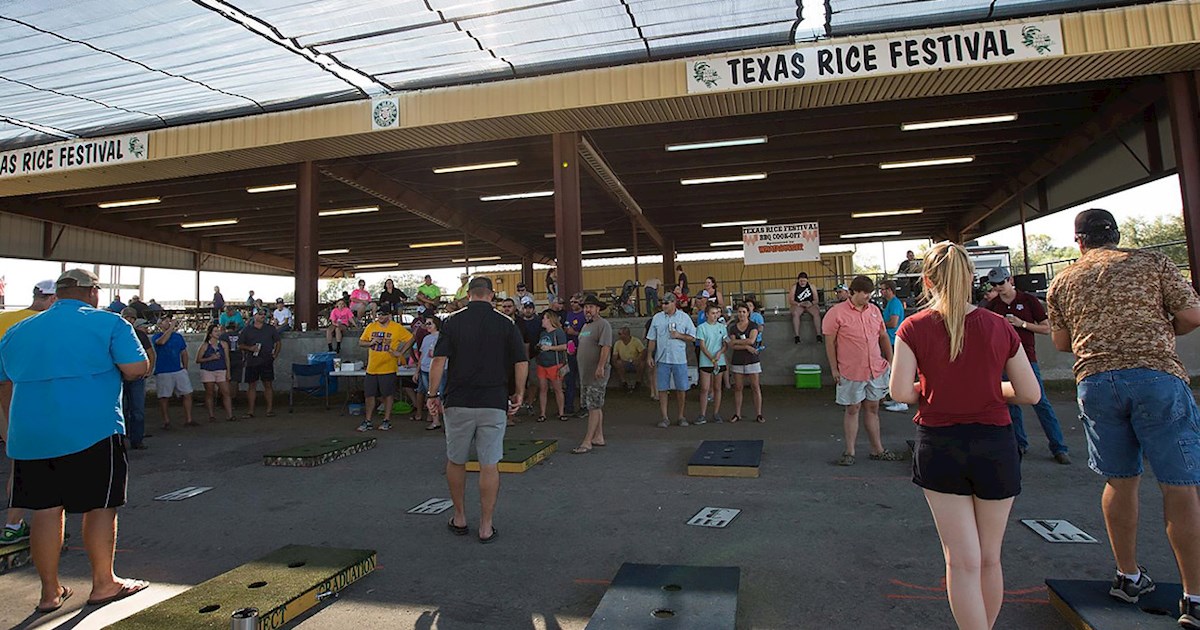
(1086, 605)
(726, 458)
(657, 596)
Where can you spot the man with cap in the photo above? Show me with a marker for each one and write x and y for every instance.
(841, 293)
(282, 315)
(133, 392)
(1026, 314)
(15, 529)
(530, 325)
(482, 349)
(171, 371)
(594, 352)
(523, 295)
(1133, 395)
(386, 342)
(804, 300)
(460, 296)
(573, 320)
(65, 431)
(667, 339)
(429, 296)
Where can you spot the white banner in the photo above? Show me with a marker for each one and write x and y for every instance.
(73, 155)
(767, 244)
(950, 48)
(385, 113)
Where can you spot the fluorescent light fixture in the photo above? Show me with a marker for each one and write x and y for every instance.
(611, 250)
(525, 195)
(733, 223)
(885, 213)
(336, 213)
(130, 202)
(435, 244)
(377, 265)
(723, 179)
(204, 224)
(330, 252)
(957, 122)
(726, 244)
(583, 233)
(274, 188)
(934, 162)
(471, 260)
(475, 167)
(873, 234)
(716, 144)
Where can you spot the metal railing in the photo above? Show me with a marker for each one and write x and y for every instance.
(1052, 267)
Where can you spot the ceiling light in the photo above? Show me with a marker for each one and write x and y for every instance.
(733, 223)
(204, 224)
(726, 244)
(715, 144)
(583, 233)
(957, 122)
(873, 234)
(527, 195)
(475, 167)
(885, 213)
(275, 188)
(330, 252)
(377, 265)
(479, 259)
(611, 250)
(435, 244)
(934, 162)
(723, 179)
(130, 202)
(336, 213)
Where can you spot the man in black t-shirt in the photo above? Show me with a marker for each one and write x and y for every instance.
(260, 341)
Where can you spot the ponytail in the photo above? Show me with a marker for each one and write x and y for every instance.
(949, 273)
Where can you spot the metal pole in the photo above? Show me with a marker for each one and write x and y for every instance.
(637, 280)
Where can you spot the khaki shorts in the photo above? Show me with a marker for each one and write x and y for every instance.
(172, 384)
(212, 376)
(484, 427)
(853, 392)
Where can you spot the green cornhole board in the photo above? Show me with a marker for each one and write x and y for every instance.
(1086, 605)
(319, 453)
(17, 555)
(282, 585)
(520, 455)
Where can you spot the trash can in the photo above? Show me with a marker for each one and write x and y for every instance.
(808, 376)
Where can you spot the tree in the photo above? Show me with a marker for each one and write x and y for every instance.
(1139, 232)
(406, 282)
(1042, 250)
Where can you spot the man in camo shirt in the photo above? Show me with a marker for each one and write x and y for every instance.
(1134, 398)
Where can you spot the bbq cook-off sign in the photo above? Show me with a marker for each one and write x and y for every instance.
(767, 244)
(76, 154)
(951, 48)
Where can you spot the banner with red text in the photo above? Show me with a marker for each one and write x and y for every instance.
(767, 244)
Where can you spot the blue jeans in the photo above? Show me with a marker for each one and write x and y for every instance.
(1128, 413)
(572, 383)
(1045, 414)
(652, 303)
(133, 404)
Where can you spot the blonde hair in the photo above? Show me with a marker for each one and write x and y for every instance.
(949, 273)
(555, 318)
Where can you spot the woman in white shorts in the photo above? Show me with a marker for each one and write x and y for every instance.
(743, 339)
(213, 358)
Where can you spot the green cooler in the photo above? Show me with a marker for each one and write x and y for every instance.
(808, 376)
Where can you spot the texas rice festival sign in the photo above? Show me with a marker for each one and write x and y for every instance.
(76, 154)
(767, 244)
(933, 50)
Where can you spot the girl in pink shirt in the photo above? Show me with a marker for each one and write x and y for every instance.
(339, 320)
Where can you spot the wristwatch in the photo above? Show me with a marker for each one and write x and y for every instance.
(1024, 324)
(433, 395)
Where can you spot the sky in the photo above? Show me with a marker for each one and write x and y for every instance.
(1158, 198)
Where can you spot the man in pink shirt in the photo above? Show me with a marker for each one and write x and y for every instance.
(859, 351)
(339, 320)
(360, 300)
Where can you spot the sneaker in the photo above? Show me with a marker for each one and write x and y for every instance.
(664, 424)
(896, 406)
(1189, 614)
(385, 426)
(1127, 590)
(365, 426)
(1062, 458)
(717, 418)
(10, 536)
(700, 420)
(582, 413)
(683, 422)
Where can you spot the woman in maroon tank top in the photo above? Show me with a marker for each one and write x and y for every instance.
(966, 457)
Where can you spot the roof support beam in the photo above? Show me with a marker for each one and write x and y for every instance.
(381, 186)
(599, 169)
(1111, 116)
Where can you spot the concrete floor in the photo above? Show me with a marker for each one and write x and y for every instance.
(819, 546)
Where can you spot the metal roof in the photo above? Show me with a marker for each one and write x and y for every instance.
(854, 17)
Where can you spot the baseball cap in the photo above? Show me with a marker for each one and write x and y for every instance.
(44, 287)
(385, 308)
(520, 285)
(802, 274)
(81, 278)
(480, 282)
(670, 297)
(998, 275)
(139, 322)
(1094, 220)
(841, 287)
(593, 300)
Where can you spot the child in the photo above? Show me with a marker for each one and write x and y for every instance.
(711, 344)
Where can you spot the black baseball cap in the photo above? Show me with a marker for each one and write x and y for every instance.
(1094, 220)
(384, 308)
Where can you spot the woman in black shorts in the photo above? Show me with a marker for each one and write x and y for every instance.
(966, 456)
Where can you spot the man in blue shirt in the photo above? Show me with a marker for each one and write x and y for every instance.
(670, 333)
(116, 305)
(65, 431)
(231, 316)
(893, 314)
(170, 371)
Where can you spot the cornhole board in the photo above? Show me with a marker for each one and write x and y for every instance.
(1086, 605)
(318, 453)
(726, 458)
(282, 585)
(657, 596)
(519, 455)
(17, 555)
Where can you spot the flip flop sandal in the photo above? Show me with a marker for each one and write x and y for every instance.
(270, 414)
(458, 531)
(564, 417)
(166, 427)
(248, 415)
(495, 533)
(191, 424)
(433, 427)
(735, 418)
(579, 450)
(64, 594)
(601, 444)
(212, 418)
(759, 419)
(131, 587)
(541, 418)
